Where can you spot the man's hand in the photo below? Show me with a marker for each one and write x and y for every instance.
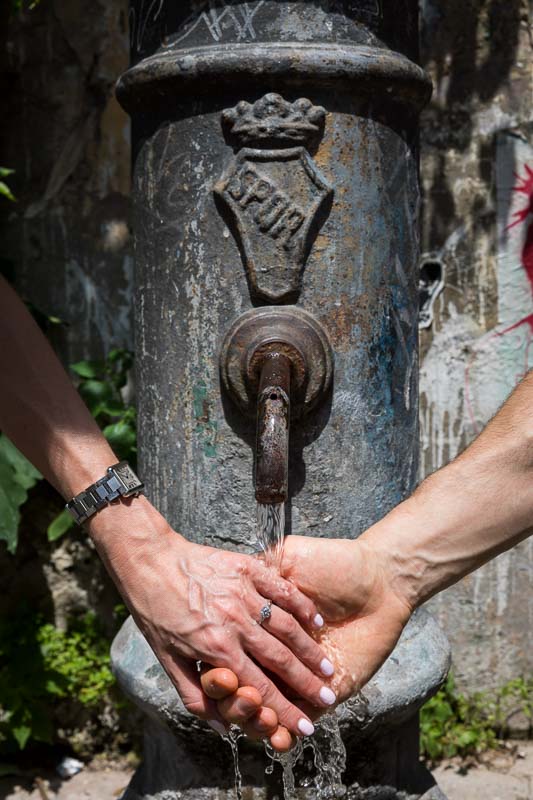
(364, 615)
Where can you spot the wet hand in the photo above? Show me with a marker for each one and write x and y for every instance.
(243, 707)
(198, 603)
(364, 615)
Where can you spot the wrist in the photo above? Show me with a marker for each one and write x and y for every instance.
(396, 544)
(130, 522)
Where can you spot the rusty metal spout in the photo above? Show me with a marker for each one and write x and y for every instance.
(273, 421)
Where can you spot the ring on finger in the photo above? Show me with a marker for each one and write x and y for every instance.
(265, 613)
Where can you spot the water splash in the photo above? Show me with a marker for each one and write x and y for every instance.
(326, 745)
(325, 768)
(270, 532)
(232, 738)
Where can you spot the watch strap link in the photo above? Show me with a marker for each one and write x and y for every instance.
(119, 481)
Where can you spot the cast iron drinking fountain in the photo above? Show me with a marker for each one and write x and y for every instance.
(276, 245)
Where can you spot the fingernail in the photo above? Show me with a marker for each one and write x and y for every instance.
(326, 668)
(327, 696)
(306, 727)
(217, 726)
(318, 621)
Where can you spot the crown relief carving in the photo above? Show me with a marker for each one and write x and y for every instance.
(274, 197)
(274, 119)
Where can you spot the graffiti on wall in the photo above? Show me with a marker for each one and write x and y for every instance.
(468, 372)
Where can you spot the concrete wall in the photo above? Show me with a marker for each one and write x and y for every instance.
(68, 236)
(477, 174)
(68, 140)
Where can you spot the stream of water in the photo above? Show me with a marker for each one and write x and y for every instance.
(321, 757)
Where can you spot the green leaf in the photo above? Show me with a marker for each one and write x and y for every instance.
(122, 438)
(96, 394)
(113, 409)
(12, 496)
(17, 475)
(5, 171)
(87, 369)
(21, 733)
(25, 473)
(5, 191)
(60, 525)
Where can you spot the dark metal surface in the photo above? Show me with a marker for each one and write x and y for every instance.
(285, 330)
(273, 426)
(209, 254)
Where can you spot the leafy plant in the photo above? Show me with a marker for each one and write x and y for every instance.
(17, 476)
(100, 385)
(452, 724)
(5, 191)
(40, 665)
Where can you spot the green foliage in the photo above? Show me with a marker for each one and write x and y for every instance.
(41, 665)
(24, 5)
(17, 475)
(60, 525)
(5, 191)
(452, 724)
(100, 385)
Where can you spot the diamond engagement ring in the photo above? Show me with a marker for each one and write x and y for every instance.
(265, 613)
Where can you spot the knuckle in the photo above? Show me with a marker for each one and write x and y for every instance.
(283, 658)
(216, 643)
(193, 706)
(264, 687)
(309, 685)
(289, 626)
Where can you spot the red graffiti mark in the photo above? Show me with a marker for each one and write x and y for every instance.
(524, 186)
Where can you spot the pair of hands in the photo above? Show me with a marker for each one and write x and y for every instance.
(364, 618)
(197, 603)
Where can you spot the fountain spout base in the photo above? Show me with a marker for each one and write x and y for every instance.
(184, 759)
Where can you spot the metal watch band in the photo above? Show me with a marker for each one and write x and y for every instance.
(119, 481)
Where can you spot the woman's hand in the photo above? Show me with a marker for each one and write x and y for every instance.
(198, 603)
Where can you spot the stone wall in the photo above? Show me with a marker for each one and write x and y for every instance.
(68, 236)
(477, 175)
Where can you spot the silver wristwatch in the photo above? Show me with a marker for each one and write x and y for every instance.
(119, 481)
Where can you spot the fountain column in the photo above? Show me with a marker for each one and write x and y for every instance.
(276, 163)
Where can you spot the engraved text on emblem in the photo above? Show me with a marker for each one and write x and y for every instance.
(276, 196)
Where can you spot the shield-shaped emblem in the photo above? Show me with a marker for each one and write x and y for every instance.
(277, 199)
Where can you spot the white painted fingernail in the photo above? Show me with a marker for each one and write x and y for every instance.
(217, 726)
(327, 668)
(318, 621)
(306, 727)
(327, 696)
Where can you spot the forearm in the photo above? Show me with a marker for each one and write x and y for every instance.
(40, 411)
(466, 513)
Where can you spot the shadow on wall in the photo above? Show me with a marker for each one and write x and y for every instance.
(469, 47)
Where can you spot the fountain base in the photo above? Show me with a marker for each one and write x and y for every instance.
(184, 759)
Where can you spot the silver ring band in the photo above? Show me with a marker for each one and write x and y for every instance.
(265, 613)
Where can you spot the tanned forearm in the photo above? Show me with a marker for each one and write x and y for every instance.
(40, 411)
(466, 513)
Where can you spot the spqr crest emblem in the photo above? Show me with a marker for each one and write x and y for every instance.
(276, 196)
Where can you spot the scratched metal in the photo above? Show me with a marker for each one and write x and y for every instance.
(355, 455)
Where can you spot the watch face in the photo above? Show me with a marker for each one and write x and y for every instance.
(127, 476)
